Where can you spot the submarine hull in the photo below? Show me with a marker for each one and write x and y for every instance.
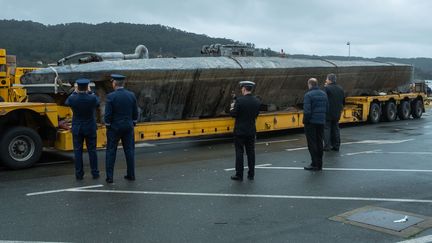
(188, 88)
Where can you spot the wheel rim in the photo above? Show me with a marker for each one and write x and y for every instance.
(419, 109)
(21, 148)
(392, 112)
(375, 113)
(406, 109)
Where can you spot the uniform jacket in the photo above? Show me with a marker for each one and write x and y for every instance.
(121, 109)
(336, 99)
(245, 112)
(315, 106)
(84, 106)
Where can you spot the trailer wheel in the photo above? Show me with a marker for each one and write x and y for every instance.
(374, 113)
(20, 147)
(416, 108)
(404, 110)
(390, 111)
(43, 98)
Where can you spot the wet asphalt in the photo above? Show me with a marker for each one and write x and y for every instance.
(204, 205)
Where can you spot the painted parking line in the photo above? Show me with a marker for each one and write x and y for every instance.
(63, 190)
(237, 195)
(14, 241)
(376, 142)
(256, 166)
(276, 141)
(344, 169)
(424, 239)
(378, 151)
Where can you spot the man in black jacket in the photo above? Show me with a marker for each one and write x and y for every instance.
(336, 98)
(314, 116)
(245, 110)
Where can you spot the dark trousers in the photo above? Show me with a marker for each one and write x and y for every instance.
(332, 135)
(126, 135)
(314, 136)
(241, 143)
(78, 144)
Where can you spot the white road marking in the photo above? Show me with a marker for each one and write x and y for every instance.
(362, 152)
(382, 152)
(14, 241)
(256, 166)
(295, 149)
(277, 141)
(402, 200)
(62, 190)
(424, 239)
(362, 142)
(380, 141)
(344, 169)
(142, 145)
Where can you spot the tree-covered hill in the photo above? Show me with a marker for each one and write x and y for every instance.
(32, 42)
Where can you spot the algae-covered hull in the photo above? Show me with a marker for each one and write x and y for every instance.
(185, 88)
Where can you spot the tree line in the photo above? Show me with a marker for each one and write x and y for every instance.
(33, 42)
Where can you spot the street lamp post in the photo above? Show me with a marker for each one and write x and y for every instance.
(349, 49)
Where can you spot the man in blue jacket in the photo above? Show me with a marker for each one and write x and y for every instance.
(84, 103)
(121, 114)
(314, 117)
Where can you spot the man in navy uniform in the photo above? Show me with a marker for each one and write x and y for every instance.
(84, 103)
(314, 117)
(245, 110)
(121, 114)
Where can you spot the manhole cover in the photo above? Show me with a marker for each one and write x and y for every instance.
(389, 221)
(385, 219)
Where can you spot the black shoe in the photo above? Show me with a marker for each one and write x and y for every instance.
(109, 180)
(326, 149)
(250, 177)
(79, 178)
(130, 178)
(313, 168)
(335, 149)
(96, 176)
(237, 178)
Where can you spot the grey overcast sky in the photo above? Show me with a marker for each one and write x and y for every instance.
(398, 28)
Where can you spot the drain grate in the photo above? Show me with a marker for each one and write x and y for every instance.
(385, 219)
(399, 223)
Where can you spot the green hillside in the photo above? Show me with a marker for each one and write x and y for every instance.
(32, 42)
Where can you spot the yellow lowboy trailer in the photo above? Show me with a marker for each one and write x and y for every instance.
(148, 131)
(25, 128)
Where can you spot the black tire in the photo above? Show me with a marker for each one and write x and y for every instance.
(20, 147)
(374, 113)
(390, 112)
(404, 110)
(42, 98)
(416, 108)
(1, 99)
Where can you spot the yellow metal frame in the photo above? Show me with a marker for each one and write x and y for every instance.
(43, 109)
(356, 110)
(363, 102)
(148, 131)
